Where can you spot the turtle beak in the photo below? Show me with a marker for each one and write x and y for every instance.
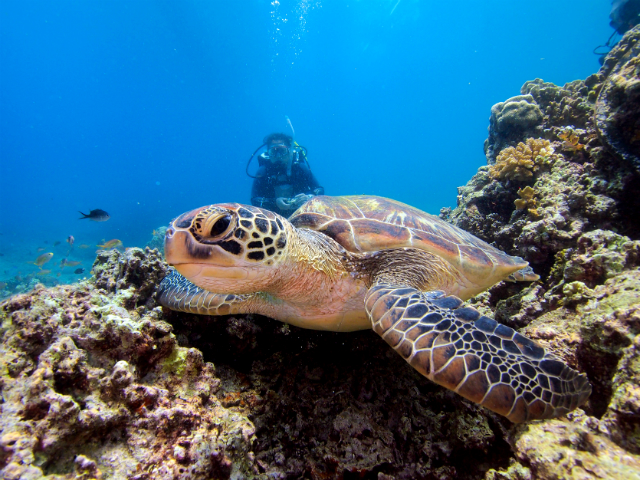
(179, 247)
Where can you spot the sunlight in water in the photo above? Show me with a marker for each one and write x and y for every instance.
(289, 26)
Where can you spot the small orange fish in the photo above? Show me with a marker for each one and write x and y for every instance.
(154, 233)
(42, 259)
(111, 244)
(43, 272)
(70, 263)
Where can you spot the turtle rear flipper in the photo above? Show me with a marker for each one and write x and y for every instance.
(473, 355)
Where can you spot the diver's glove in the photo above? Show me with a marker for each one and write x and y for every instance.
(292, 203)
(301, 199)
(284, 203)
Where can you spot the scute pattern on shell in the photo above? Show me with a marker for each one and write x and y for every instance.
(366, 224)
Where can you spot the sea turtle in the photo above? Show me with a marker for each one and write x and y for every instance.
(358, 262)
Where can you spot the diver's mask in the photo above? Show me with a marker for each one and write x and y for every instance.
(277, 151)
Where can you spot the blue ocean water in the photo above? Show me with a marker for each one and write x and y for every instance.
(147, 109)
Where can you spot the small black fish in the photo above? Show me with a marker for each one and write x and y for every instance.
(79, 271)
(96, 215)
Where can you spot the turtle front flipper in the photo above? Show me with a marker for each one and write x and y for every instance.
(473, 355)
(178, 293)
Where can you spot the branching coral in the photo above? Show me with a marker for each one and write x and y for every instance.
(527, 200)
(521, 162)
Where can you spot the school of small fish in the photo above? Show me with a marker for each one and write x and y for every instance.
(95, 215)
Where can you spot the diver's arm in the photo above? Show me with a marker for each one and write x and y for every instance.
(314, 186)
(307, 181)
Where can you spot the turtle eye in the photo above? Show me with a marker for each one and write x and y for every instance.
(220, 226)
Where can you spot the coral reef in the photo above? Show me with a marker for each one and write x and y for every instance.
(92, 389)
(617, 109)
(96, 385)
(98, 382)
(583, 241)
(117, 272)
(511, 122)
(570, 105)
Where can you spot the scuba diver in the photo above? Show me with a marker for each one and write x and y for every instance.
(624, 15)
(284, 180)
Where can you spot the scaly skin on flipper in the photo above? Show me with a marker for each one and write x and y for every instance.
(180, 294)
(473, 355)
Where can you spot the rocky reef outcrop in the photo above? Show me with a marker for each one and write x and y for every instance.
(97, 381)
(565, 199)
(95, 385)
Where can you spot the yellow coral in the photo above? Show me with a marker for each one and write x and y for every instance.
(522, 161)
(527, 200)
(527, 197)
(570, 140)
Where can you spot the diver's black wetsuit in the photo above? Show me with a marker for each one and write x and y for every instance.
(272, 182)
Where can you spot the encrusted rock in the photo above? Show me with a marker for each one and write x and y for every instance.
(117, 272)
(561, 449)
(511, 122)
(618, 103)
(92, 389)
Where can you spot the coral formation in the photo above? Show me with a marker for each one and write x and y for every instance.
(97, 387)
(617, 109)
(527, 200)
(570, 105)
(116, 272)
(92, 389)
(511, 122)
(568, 450)
(523, 161)
(584, 244)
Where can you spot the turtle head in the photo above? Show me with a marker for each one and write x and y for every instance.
(227, 248)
